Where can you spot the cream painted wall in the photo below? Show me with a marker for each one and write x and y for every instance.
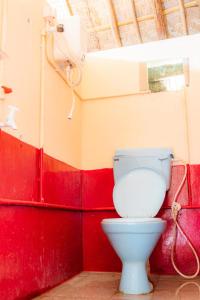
(98, 126)
(113, 77)
(62, 137)
(155, 120)
(150, 120)
(22, 67)
(22, 72)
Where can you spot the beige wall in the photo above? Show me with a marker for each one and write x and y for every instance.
(62, 137)
(155, 120)
(98, 126)
(22, 73)
(149, 120)
(22, 68)
(105, 77)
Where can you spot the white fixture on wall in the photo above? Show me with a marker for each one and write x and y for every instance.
(10, 119)
(4, 90)
(69, 45)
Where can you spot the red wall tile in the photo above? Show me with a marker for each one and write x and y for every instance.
(97, 251)
(40, 248)
(97, 188)
(190, 223)
(61, 183)
(176, 178)
(195, 184)
(18, 169)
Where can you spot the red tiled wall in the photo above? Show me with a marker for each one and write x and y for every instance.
(160, 260)
(19, 164)
(38, 250)
(97, 187)
(40, 247)
(194, 171)
(61, 183)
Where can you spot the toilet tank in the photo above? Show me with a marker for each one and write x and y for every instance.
(156, 159)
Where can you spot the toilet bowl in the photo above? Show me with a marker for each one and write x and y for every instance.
(134, 240)
(138, 195)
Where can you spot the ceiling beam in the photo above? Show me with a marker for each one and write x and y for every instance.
(114, 23)
(135, 21)
(167, 11)
(176, 8)
(198, 2)
(69, 7)
(183, 16)
(92, 23)
(159, 19)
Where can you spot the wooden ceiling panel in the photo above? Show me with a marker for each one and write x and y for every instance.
(193, 19)
(174, 25)
(123, 10)
(148, 31)
(116, 23)
(129, 35)
(106, 39)
(169, 3)
(143, 7)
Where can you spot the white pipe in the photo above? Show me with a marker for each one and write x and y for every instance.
(3, 19)
(2, 4)
(42, 94)
(51, 61)
(186, 118)
(70, 114)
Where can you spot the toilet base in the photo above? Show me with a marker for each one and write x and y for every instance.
(134, 279)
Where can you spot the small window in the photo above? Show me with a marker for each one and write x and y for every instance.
(168, 75)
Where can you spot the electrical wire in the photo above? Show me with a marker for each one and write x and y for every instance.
(73, 64)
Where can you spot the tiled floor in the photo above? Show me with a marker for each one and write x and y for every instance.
(103, 286)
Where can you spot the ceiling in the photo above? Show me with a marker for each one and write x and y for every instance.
(118, 23)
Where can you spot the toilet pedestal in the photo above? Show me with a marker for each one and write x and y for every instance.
(134, 279)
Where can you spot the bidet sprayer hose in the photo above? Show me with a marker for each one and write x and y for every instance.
(175, 209)
(70, 73)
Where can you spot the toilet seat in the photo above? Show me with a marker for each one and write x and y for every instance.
(131, 220)
(139, 194)
(137, 225)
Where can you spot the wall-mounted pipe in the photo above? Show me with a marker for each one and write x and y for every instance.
(51, 60)
(41, 126)
(1, 21)
(9, 202)
(3, 10)
(186, 119)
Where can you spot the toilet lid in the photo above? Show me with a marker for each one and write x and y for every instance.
(139, 194)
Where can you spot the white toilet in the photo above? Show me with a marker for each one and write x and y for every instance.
(142, 177)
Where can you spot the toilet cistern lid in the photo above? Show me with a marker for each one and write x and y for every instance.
(139, 194)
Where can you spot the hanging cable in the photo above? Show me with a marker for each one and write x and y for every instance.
(175, 209)
(70, 114)
(73, 71)
(72, 84)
